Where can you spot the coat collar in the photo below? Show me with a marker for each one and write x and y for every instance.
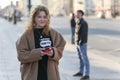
(30, 36)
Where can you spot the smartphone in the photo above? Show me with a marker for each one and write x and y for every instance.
(47, 50)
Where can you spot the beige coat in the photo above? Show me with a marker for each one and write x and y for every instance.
(28, 56)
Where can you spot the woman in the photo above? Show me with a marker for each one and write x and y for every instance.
(40, 48)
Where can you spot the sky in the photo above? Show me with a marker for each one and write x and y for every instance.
(4, 3)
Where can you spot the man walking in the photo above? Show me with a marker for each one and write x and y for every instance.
(81, 34)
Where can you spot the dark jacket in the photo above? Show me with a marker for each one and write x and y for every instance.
(72, 22)
(82, 32)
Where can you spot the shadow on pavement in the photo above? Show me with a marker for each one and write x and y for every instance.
(97, 31)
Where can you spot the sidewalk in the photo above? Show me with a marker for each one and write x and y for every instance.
(9, 65)
(102, 68)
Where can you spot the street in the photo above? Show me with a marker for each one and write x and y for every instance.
(105, 34)
(9, 66)
(103, 49)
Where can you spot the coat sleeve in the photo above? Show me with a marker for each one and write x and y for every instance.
(24, 54)
(85, 29)
(84, 32)
(58, 46)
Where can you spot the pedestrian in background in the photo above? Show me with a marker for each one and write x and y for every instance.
(40, 48)
(15, 16)
(81, 34)
(72, 24)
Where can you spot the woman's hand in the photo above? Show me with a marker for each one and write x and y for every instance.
(42, 53)
(48, 52)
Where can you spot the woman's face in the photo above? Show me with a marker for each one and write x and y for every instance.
(41, 19)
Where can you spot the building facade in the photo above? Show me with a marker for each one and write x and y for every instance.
(65, 7)
(28, 5)
(115, 8)
(97, 7)
(61, 7)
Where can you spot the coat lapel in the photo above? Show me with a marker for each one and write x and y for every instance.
(31, 39)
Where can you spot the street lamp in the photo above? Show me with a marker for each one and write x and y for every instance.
(29, 6)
